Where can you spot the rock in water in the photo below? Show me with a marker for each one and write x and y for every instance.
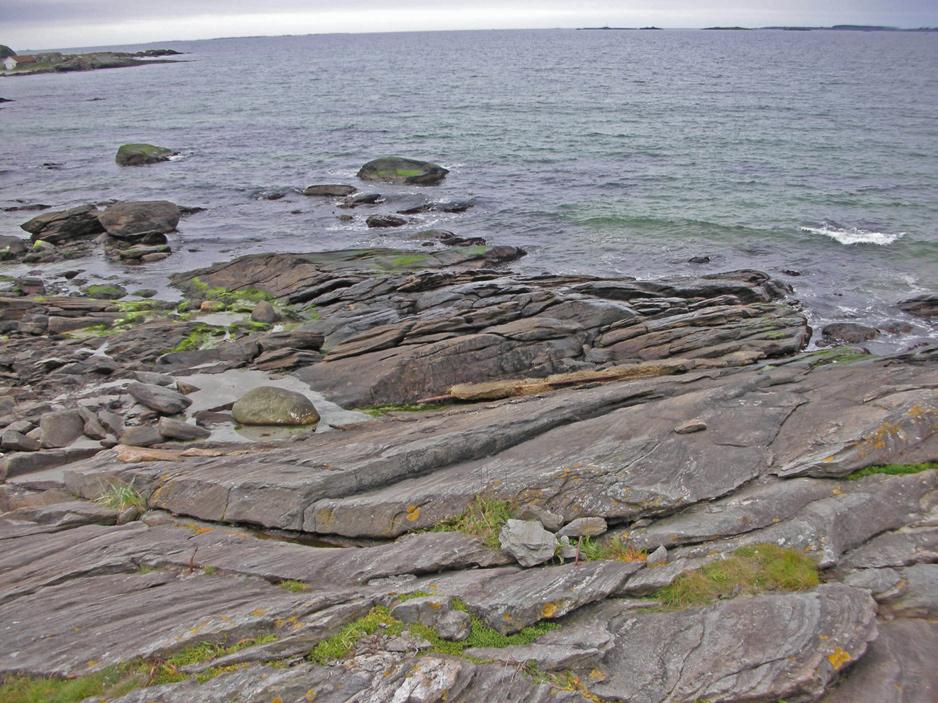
(63, 226)
(528, 542)
(922, 306)
(329, 190)
(386, 221)
(142, 154)
(177, 429)
(163, 400)
(394, 169)
(269, 405)
(131, 220)
(848, 332)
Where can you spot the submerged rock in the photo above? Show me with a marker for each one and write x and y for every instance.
(386, 221)
(395, 169)
(330, 190)
(269, 405)
(142, 154)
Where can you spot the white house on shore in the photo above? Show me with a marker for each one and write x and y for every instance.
(9, 63)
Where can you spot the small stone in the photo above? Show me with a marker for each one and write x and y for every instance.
(565, 549)
(60, 428)
(157, 379)
(93, 427)
(186, 388)
(436, 612)
(144, 293)
(550, 520)
(163, 400)
(105, 291)
(269, 405)
(128, 515)
(584, 527)
(141, 436)
(528, 542)
(690, 427)
(659, 557)
(183, 431)
(264, 312)
(211, 306)
(14, 441)
(112, 422)
(699, 260)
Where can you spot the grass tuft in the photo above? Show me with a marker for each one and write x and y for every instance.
(893, 470)
(294, 586)
(341, 643)
(611, 550)
(484, 518)
(120, 496)
(750, 570)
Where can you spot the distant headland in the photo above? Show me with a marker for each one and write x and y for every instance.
(832, 28)
(13, 64)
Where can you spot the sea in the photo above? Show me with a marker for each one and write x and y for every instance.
(812, 156)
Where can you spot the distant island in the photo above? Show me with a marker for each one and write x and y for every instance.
(14, 64)
(833, 28)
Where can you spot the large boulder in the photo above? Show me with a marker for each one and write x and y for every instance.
(269, 405)
(62, 226)
(142, 154)
(135, 219)
(60, 428)
(394, 169)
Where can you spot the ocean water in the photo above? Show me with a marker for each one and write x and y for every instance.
(599, 152)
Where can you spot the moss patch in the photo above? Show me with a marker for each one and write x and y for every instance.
(115, 681)
(293, 586)
(750, 570)
(484, 518)
(104, 291)
(380, 620)
(200, 337)
(893, 470)
(229, 297)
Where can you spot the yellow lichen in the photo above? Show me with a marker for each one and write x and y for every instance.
(838, 658)
(549, 610)
(413, 513)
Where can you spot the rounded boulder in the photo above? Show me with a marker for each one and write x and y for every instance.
(269, 405)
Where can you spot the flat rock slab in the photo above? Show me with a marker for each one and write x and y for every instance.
(377, 678)
(766, 648)
(898, 668)
(89, 623)
(511, 600)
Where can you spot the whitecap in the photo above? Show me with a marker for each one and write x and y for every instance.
(853, 235)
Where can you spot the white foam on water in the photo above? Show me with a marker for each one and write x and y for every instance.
(853, 235)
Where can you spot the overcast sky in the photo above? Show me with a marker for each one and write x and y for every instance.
(43, 24)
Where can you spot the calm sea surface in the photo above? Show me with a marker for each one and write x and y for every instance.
(617, 152)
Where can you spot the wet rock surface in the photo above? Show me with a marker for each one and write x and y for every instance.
(540, 467)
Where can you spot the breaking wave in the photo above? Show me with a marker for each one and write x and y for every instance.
(852, 235)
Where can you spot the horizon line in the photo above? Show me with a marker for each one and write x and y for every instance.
(726, 27)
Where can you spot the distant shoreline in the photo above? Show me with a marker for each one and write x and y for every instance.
(832, 28)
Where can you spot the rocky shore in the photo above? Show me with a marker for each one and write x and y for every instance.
(416, 475)
(13, 64)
